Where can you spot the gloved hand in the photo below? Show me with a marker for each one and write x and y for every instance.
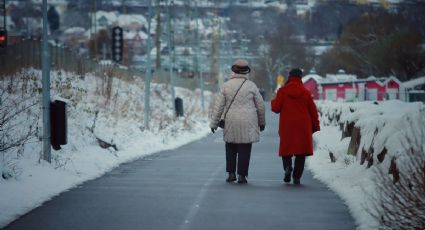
(213, 130)
(262, 127)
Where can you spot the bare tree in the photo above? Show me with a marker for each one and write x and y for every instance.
(271, 65)
(18, 122)
(283, 50)
(379, 44)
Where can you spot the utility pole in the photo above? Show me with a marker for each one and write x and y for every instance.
(104, 51)
(4, 15)
(189, 35)
(91, 29)
(215, 47)
(124, 7)
(171, 52)
(95, 28)
(148, 73)
(46, 88)
(158, 35)
(197, 69)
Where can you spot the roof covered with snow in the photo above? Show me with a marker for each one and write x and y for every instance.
(132, 35)
(75, 30)
(341, 76)
(128, 19)
(114, 17)
(111, 17)
(415, 82)
(313, 76)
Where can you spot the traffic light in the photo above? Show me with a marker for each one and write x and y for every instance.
(117, 44)
(3, 38)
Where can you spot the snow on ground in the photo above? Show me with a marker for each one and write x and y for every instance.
(350, 180)
(92, 116)
(393, 125)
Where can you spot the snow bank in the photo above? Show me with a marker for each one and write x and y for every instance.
(364, 137)
(391, 125)
(108, 110)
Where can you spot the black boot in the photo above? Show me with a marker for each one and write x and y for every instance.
(297, 181)
(242, 179)
(287, 168)
(288, 175)
(231, 177)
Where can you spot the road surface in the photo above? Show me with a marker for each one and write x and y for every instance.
(185, 189)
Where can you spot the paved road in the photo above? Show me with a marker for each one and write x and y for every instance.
(185, 189)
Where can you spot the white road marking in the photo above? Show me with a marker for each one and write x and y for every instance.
(198, 200)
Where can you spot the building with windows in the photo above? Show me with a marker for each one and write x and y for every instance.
(347, 87)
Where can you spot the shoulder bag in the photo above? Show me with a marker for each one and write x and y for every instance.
(221, 122)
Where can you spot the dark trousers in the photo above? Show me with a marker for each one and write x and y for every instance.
(240, 153)
(298, 166)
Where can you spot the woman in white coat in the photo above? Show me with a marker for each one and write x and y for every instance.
(240, 104)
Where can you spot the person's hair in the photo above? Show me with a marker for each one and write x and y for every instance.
(296, 72)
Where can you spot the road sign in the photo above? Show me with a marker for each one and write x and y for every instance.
(117, 44)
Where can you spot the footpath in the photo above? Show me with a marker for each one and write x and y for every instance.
(185, 189)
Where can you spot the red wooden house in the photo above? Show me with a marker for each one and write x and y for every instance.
(382, 89)
(347, 87)
(311, 82)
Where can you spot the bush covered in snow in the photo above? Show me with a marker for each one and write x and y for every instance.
(377, 130)
(18, 120)
(377, 150)
(401, 205)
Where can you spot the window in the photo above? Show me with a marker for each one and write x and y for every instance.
(330, 94)
(350, 94)
(392, 94)
(372, 94)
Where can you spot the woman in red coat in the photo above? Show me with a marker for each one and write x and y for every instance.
(298, 121)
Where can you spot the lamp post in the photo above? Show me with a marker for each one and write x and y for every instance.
(148, 73)
(4, 14)
(201, 79)
(46, 88)
(94, 20)
(170, 53)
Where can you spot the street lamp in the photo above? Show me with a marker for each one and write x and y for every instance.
(170, 53)
(148, 73)
(46, 88)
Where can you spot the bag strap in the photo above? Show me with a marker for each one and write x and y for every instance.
(234, 98)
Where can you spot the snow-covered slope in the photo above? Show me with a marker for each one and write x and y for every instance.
(387, 131)
(107, 109)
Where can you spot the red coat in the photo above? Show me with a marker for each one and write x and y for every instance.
(298, 118)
